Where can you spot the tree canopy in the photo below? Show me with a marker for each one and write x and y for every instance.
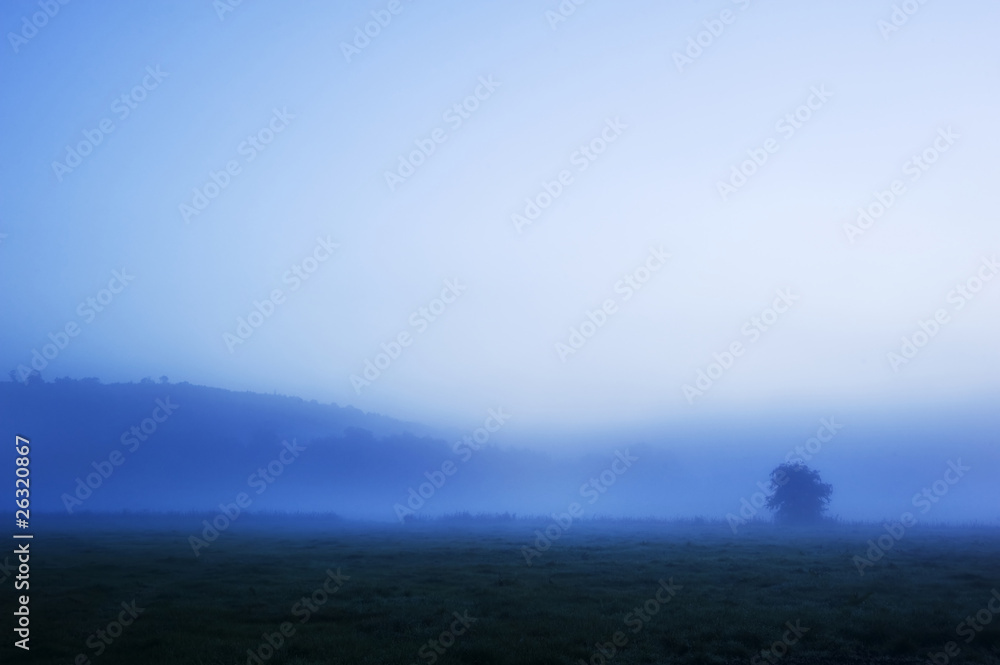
(798, 495)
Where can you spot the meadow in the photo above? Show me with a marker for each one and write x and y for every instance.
(309, 590)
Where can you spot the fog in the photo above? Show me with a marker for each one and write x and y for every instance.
(178, 447)
(622, 239)
(338, 121)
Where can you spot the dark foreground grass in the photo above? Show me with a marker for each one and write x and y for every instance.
(733, 595)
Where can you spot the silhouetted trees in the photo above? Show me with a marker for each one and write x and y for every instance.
(798, 495)
(32, 378)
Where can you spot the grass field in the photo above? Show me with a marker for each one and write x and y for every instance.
(674, 593)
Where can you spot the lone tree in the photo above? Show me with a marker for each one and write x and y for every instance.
(798, 496)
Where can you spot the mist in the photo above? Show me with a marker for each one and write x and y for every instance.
(636, 155)
(487, 333)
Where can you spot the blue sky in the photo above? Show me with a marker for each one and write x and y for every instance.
(609, 70)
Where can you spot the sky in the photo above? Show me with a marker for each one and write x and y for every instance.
(601, 215)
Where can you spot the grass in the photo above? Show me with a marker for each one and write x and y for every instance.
(407, 581)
